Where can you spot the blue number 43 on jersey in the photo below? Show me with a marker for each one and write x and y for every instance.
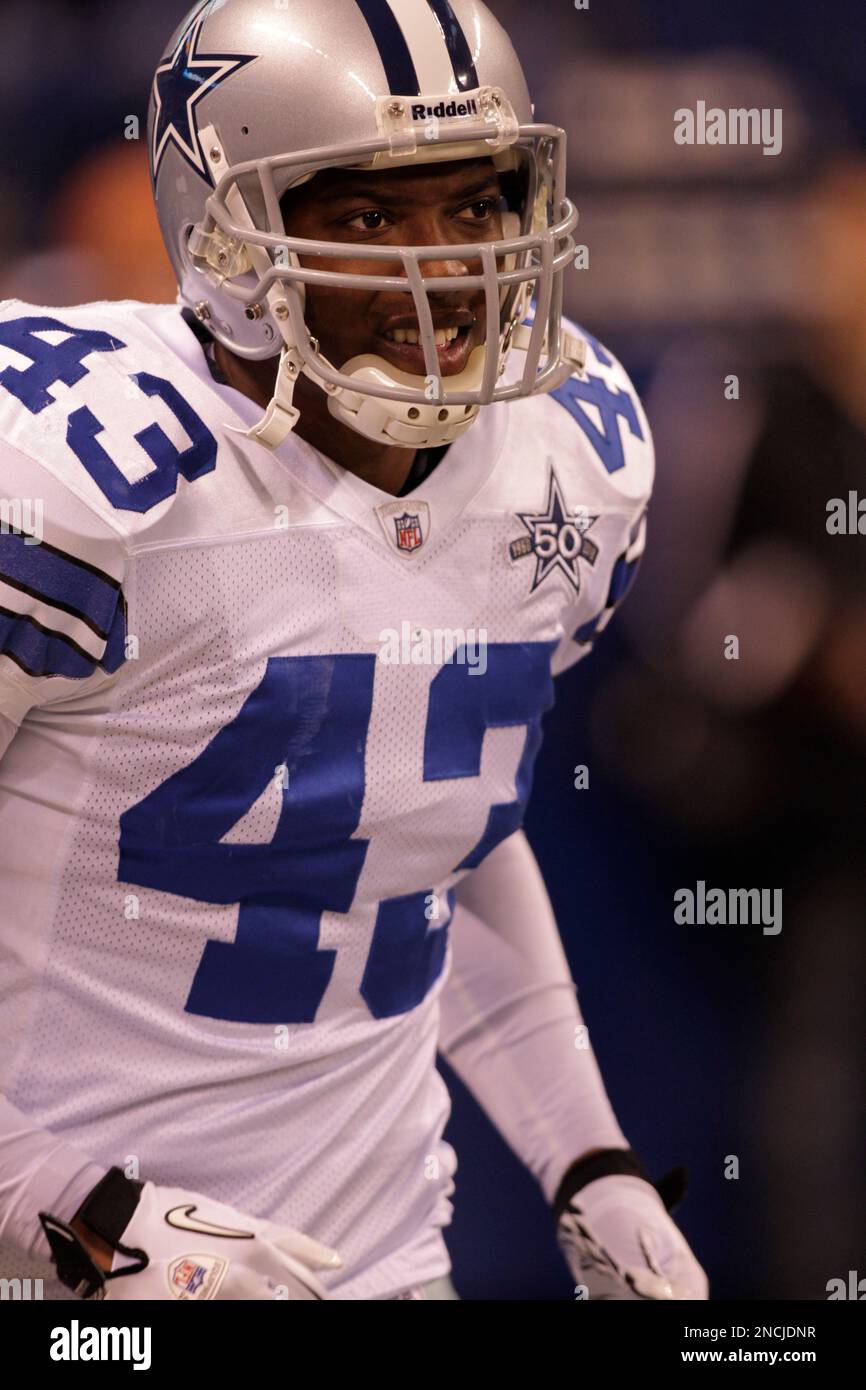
(311, 714)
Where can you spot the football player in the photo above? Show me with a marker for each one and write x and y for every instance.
(286, 571)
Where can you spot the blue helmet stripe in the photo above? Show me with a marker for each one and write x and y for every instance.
(393, 49)
(458, 47)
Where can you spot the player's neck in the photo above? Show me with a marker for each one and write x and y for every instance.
(383, 466)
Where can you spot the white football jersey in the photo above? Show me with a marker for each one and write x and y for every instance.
(259, 718)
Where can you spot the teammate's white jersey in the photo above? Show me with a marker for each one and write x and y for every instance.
(261, 717)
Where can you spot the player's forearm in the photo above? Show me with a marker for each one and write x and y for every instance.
(39, 1171)
(511, 1026)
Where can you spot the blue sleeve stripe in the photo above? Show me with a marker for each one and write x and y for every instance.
(59, 579)
(41, 652)
(55, 603)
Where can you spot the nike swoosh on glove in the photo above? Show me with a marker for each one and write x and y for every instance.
(196, 1248)
(619, 1242)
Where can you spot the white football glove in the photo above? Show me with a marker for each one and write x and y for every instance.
(198, 1249)
(619, 1242)
(171, 1243)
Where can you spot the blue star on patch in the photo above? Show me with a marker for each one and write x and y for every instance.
(556, 539)
(182, 79)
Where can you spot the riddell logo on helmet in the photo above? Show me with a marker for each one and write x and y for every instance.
(420, 112)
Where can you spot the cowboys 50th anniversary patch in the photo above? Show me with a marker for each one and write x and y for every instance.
(556, 538)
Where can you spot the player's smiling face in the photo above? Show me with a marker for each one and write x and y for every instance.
(436, 205)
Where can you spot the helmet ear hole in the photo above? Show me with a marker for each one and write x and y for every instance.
(183, 239)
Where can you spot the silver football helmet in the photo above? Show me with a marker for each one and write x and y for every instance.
(254, 97)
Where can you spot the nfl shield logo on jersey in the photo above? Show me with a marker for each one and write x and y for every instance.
(408, 531)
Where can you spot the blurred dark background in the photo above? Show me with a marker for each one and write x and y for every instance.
(705, 262)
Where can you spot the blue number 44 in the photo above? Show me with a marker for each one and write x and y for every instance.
(311, 715)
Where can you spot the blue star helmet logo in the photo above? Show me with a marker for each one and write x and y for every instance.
(556, 539)
(182, 79)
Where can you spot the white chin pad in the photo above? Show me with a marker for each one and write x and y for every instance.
(401, 422)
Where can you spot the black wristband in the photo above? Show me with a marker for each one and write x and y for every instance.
(74, 1266)
(108, 1209)
(671, 1187)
